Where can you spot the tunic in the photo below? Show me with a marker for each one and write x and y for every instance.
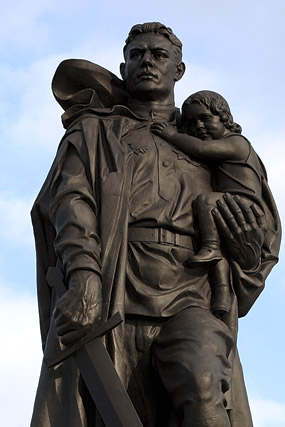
(164, 184)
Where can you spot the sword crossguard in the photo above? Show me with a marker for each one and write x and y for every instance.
(96, 332)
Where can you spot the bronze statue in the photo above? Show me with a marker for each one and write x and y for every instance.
(117, 218)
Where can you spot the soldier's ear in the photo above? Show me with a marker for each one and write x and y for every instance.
(123, 70)
(180, 70)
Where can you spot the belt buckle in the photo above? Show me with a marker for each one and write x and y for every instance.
(165, 236)
(160, 236)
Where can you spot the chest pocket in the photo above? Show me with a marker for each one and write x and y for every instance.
(167, 171)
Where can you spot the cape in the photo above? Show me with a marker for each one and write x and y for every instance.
(95, 133)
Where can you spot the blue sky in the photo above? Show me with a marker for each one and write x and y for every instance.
(235, 48)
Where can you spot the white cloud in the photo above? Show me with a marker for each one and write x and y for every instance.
(22, 24)
(15, 230)
(198, 77)
(271, 148)
(33, 109)
(267, 413)
(20, 357)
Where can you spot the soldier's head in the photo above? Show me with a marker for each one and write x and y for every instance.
(153, 62)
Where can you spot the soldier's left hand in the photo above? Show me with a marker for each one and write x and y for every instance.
(242, 228)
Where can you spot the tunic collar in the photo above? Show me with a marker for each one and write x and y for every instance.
(154, 113)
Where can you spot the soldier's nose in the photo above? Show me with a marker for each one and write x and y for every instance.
(147, 60)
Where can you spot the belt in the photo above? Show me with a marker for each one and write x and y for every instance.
(159, 235)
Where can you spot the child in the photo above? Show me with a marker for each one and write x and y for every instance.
(212, 136)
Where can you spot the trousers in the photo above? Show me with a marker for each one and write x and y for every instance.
(177, 369)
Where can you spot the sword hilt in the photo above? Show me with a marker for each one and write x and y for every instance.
(96, 332)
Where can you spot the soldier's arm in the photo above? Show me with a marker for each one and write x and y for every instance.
(73, 212)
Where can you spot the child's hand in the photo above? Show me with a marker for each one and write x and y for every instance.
(164, 130)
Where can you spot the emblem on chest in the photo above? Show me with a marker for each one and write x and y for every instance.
(141, 141)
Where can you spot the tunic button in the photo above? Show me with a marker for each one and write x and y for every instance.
(162, 144)
(165, 163)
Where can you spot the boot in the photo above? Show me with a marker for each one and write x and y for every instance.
(221, 300)
(220, 284)
(210, 252)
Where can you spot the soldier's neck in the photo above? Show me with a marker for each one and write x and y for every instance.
(152, 110)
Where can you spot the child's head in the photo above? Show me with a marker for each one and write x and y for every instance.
(203, 109)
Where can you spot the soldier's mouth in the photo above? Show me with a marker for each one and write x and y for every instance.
(147, 75)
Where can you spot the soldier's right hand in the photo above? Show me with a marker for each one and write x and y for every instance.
(80, 307)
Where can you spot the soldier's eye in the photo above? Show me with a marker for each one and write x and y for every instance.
(135, 55)
(159, 55)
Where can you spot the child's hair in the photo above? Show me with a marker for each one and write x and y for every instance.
(216, 104)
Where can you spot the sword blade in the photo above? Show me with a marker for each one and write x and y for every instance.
(105, 386)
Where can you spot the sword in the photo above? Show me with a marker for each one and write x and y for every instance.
(97, 368)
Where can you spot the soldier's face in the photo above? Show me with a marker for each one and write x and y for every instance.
(151, 68)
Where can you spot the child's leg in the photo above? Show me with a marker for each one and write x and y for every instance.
(220, 284)
(210, 240)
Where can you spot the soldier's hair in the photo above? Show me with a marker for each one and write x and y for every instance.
(157, 28)
(216, 104)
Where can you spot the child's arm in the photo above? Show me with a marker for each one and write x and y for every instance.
(233, 147)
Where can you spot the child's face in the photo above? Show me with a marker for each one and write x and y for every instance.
(202, 123)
